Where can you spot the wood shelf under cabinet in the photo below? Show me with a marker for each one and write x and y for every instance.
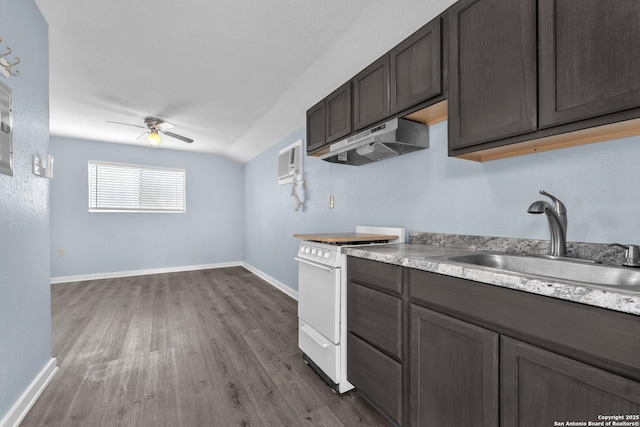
(571, 139)
(430, 115)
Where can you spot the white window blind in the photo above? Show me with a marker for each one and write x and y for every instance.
(117, 187)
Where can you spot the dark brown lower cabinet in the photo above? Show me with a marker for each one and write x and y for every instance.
(376, 317)
(454, 372)
(375, 340)
(540, 388)
(472, 354)
(377, 377)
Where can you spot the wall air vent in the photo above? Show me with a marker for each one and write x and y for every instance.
(290, 163)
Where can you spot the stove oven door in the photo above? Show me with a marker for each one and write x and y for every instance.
(319, 298)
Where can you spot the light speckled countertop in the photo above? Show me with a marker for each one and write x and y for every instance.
(421, 257)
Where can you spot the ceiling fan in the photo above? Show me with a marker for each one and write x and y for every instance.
(154, 126)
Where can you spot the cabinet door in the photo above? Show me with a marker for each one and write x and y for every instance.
(339, 113)
(371, 94)
(454, 372)
(539, 387)
(415, 68)
(315, 127)
(589, 58)
(492, 71)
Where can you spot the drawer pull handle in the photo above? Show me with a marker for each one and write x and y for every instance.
(312, 334)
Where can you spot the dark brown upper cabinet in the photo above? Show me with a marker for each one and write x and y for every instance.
(338, 113)
(492, 92)
(415, 68)
(316, 127)
(589, 58)
(582, 89)
(371, 94)
(330, 119)
(407, 78)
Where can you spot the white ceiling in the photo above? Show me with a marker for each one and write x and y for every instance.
(235, 76)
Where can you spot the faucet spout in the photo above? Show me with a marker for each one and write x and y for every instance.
(557, 218)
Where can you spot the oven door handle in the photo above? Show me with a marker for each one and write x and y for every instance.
(314, 264)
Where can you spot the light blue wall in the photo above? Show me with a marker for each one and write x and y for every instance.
(428, 191)
(25, 306)
(209, 232)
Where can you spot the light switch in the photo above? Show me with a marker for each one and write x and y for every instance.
(36, 165)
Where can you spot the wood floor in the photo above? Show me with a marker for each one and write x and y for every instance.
(200, 348)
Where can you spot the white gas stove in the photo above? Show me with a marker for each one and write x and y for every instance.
(322, 298)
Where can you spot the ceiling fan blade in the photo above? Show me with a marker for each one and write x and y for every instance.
(126, 124)
(175, 135)
(164, 126)
(141, 135)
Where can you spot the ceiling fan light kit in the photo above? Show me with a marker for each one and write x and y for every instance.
(156, 126)
(153, 138)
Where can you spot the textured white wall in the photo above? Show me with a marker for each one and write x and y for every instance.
(25, 306)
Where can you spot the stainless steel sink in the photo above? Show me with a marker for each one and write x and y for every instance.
(560, 269)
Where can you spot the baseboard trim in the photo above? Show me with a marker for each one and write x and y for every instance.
(116, 274)
(21, 408)
(98, 276)
(274, 282)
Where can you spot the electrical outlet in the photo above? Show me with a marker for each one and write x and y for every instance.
(331, 202)
(61, 251)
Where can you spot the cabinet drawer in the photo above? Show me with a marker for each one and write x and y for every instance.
(376, 317)
(373, 274)
(376, 376)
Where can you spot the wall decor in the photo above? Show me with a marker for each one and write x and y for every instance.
(6, 130)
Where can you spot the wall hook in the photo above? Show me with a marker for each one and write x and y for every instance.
(8, 51)
(6, 65)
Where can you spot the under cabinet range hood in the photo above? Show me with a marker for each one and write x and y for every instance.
(390, 139)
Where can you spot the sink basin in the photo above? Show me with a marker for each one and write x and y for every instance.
(562, 269)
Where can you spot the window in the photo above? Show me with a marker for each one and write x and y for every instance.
(118, 187)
